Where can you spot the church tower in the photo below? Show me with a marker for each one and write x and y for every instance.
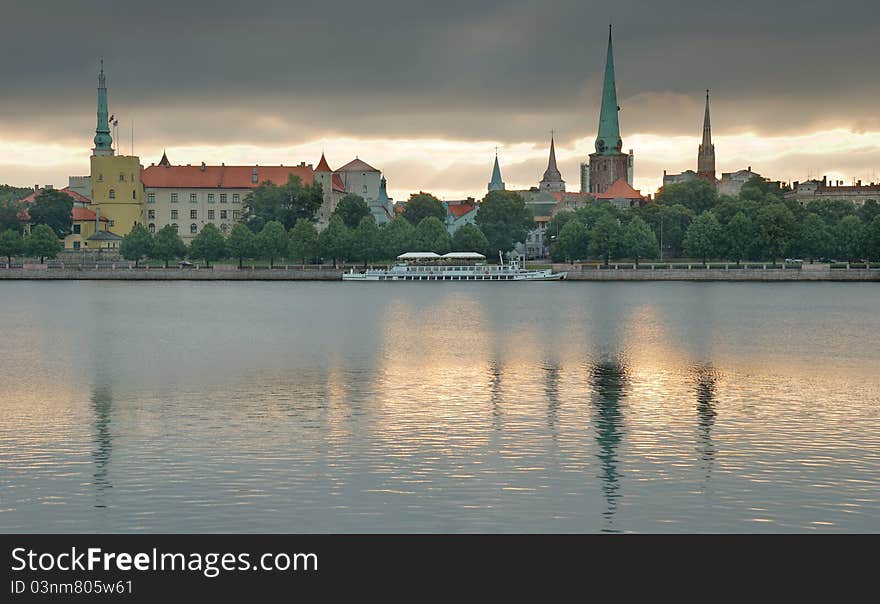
(496, 184)
(608, 164)
(706, 153)
(324, 177)
(552, 180)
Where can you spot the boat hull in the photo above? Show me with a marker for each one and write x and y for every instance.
(389, 276)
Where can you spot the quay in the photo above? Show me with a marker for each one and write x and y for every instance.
(123, 271)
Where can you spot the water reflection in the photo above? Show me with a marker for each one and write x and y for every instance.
(706, 384)
(102, 406)
(551, 390)
(608, 379)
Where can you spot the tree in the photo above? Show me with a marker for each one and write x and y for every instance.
(639, 240)
(167, 245)
(696, 195)
(831, 210)
(137, 244)
(504, 219)
(241, 243)
(272, 241)
(11, 244)
(396, 237)
(43, 242)
(469, 238)
(303, 240)
(421, 205)
(872, 240)
(738, 235)
(776, 229)
(335, 240)
(849, 237)
(351, 209)
(669, 224)
(365, 240)
(10, 211)
(431, 236)
(554, 229)
(703, 237)
(813, 237)
(282, 203)
(573, 241)
(761, 190)
(605, 238)
(54, 209)
(208, 245)
(869, 211)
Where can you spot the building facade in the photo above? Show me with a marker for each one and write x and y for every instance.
(189, 197)
(731, 182)
(813, 190)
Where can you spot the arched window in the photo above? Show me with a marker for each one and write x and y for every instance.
(134, 194)
(193, 228)
(152, 228)
(112, 193)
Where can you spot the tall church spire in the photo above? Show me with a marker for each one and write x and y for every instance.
(608, 140)
(496, 184)
(103, 140)
(706, 152)
(552, 180)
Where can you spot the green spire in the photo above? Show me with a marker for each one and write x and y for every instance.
(496, 184)
(608, 140)
(103, 140)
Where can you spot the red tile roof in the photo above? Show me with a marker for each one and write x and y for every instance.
(84, 214)
(323, 166)
(338, 184)
(226, 177)
(357, 165)
(77, 198)
(461, 209)
(620, 190)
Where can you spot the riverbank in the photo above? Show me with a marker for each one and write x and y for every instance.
(592, 273)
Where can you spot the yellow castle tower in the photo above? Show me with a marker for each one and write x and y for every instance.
(117, 190)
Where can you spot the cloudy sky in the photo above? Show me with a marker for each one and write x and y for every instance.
(425, 91)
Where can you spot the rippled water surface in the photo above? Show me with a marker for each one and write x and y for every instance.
(349, 407)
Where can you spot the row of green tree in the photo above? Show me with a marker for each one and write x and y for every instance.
(691, 219)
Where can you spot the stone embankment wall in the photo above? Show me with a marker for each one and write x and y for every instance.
(720, 274)
(173, 274)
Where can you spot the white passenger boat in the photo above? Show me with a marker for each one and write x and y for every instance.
(456, 266)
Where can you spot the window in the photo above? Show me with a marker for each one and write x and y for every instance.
(193, 214)
(151, 214)
(173, 214)
(100, 178)
(192, 198)
(174, 198)
(236, 198)
(76, 229)
(210, 198)
(76, 245)
(222, 197)
(222, 214)
(193, 228)
(112, 193)
(224, 227)
(151, 198)
(174, 225)
(152, 228)
(134, 194)
(210, 214)
(111, 223)
(121, 177)
(235, 214)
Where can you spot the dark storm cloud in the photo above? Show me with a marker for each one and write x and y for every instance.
(281, 72)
